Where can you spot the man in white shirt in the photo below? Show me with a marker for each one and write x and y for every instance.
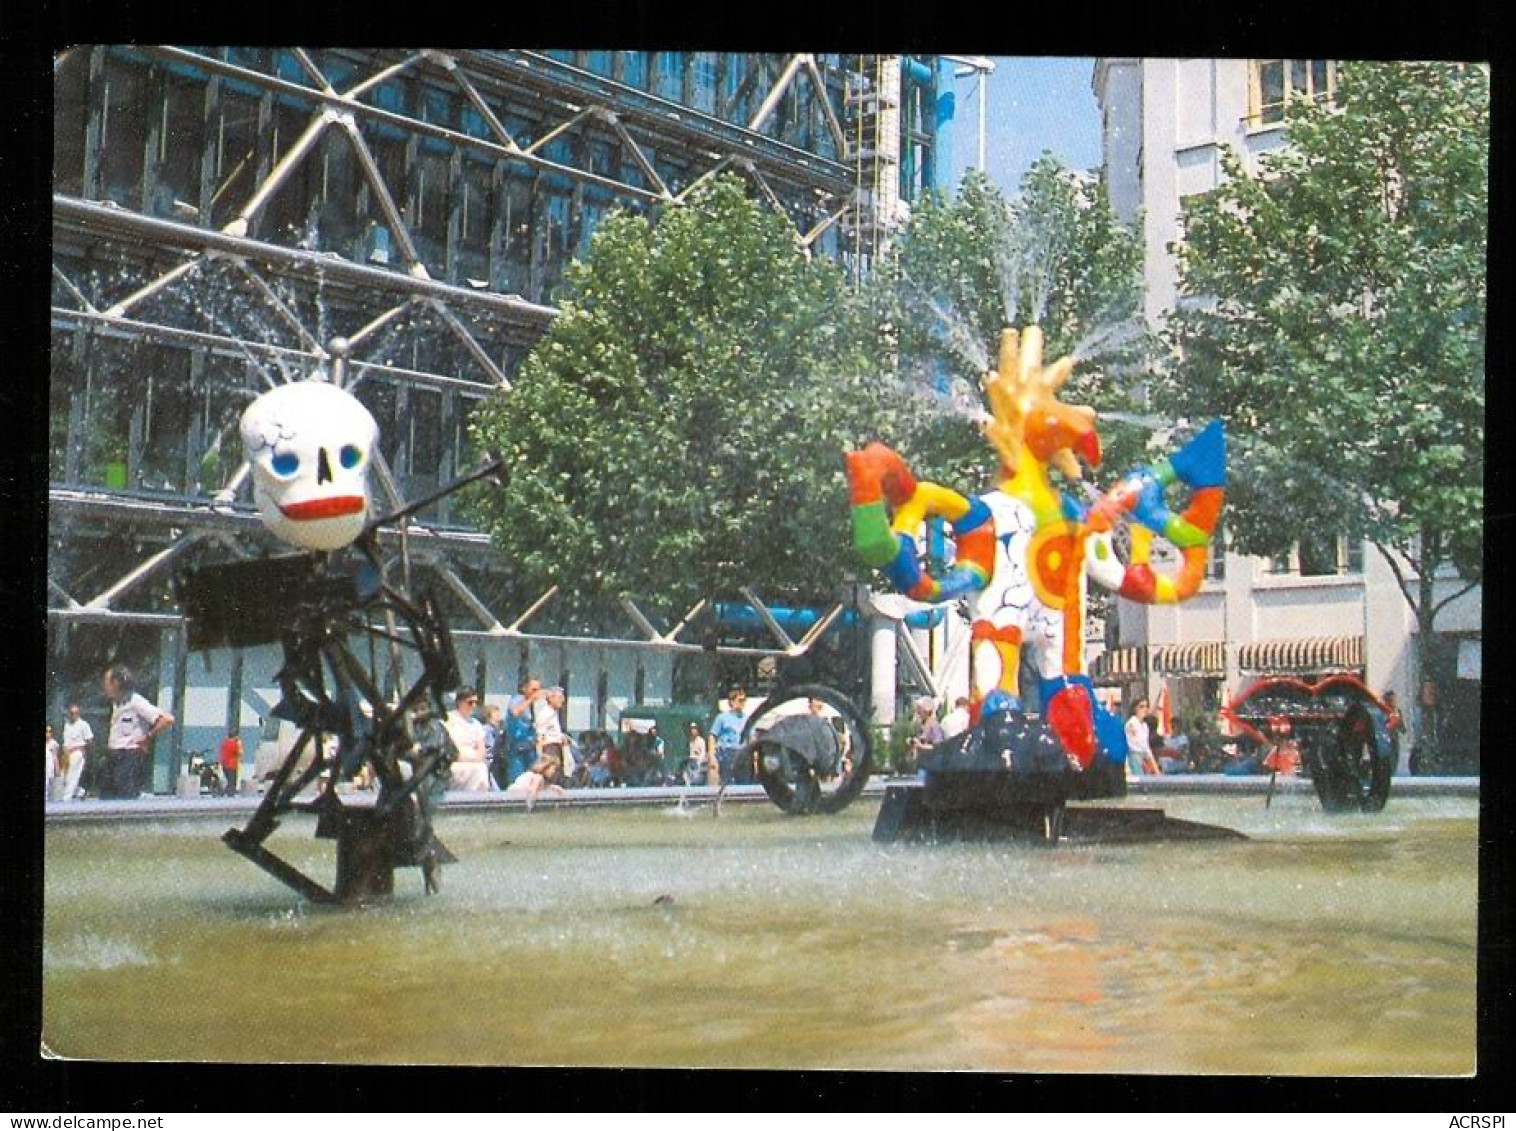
(551, 740)
(77, 736)
(470, 770)
(135, 722)
(547, 771)
(1138, 748)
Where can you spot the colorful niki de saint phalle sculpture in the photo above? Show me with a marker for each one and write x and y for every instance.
(310, 446)
(1022, 555)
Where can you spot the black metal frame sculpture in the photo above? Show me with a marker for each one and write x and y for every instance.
(313, 604)
(1346, 750)
(801, 763)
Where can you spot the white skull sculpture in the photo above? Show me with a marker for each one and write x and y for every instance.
(309, 444)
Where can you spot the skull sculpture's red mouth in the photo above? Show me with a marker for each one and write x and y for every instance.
(330, 507)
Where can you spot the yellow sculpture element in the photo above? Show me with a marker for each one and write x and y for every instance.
(1027, 411)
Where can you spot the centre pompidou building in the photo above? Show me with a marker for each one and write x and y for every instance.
(221, 215)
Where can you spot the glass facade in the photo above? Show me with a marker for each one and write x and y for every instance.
(221, 214)
(192, 137)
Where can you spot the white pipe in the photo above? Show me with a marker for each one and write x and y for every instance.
(882, 670)
(983, 81)
(974, 62)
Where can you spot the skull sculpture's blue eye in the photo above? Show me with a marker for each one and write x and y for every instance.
(285, 463)
(350, 456)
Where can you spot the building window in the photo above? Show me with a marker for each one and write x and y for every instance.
(1353, 555)
(123, 133)
(1215, 564)
(235, 161)
(1320, 557)
(1275, 82)
(70, 123)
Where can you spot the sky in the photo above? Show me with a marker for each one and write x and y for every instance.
(1033, 104)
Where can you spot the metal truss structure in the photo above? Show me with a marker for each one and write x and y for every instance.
(332, 201)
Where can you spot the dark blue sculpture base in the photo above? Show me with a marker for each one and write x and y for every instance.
(1009, 779)
(918, 815)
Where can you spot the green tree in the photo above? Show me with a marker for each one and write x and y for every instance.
(1056, 256)
(680, 429)
(1332, 312)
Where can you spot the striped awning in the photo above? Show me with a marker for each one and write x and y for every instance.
(1207, 657)
(1302, 654)
(1120, 664)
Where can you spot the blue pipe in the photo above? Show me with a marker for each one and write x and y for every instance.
(942, 138)
(916, 71)
(800, 620)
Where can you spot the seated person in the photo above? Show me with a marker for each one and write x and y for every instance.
(470, 770)
(615, 764)
(1172, 761)
(534, 782)
(1174, 756)
(1208, 754)
(1245, 758)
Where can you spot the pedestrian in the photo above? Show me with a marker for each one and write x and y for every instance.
(615, 764)
(657, 751)
(819, 710)
(696, 771)
(51, 758)
(494, 747)
(470, 769)
(1139, 748)
(135, 723)
(77, 737)
(956, 720)
(596, 747)
(927, 731)
(231, 762)
(1155, 740)
(726, 733)
(520, 733)
(546, 773)
(1394, 723)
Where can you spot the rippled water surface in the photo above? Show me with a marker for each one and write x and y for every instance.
(1321, 946)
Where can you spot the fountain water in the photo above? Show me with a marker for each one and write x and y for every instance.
(1342, 946)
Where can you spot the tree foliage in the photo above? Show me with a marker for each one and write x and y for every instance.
(1332, 312)
(680, 429)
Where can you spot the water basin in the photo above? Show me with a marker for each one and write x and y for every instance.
(662, 937)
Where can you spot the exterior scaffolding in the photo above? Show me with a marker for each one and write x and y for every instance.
(220, 215)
